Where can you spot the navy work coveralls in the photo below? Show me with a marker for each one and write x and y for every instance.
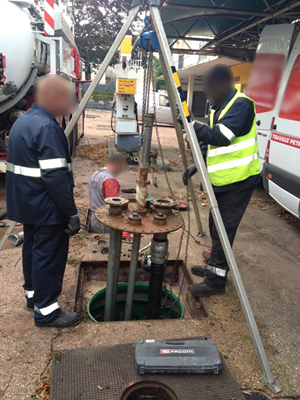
(39, 186)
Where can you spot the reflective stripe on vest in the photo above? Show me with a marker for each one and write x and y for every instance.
(53, 163)
(239, 160)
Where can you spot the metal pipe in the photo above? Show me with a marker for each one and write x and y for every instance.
(118, 239)
(17, 238)
(103, 68)
(142, 180)
(268, 378)
(158, 251)
(113, 256)
(132, 275)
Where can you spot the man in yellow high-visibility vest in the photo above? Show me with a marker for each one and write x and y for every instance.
(233, 167)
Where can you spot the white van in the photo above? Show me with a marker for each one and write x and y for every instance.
(275, 87)
(162, 106)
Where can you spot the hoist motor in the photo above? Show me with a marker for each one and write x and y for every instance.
(148, 39)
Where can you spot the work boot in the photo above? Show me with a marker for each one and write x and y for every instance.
(198, 270)
(203, 290)
(63, 321)
(29, 304)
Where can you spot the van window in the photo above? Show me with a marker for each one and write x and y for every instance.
(264, 80)
(290, 108)
(164, 101)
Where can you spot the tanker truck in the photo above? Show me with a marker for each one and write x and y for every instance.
(31, 46)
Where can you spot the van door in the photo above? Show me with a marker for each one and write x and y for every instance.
(283, 169)
(163, 110)
(270, 60)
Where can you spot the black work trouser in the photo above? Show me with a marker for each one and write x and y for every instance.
(45, 252)
(232, 206)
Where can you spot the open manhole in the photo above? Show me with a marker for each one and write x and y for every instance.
(171, 306)
(91, 286)
(149, 391)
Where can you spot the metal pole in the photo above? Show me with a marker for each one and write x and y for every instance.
(118, 239)
(182, 149)
(132, 275)
(111, 269)
(158, 251)
(7, 233)
(142, 180)
(102, 69)
(268, 378)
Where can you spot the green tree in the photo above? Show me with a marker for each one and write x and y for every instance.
(157, 69)
(97, 23)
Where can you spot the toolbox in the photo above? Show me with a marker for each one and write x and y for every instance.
(177, 357)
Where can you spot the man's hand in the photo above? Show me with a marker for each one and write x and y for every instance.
(188, 173)
(73, 225)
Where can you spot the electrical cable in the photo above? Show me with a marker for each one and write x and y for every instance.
(88, 227)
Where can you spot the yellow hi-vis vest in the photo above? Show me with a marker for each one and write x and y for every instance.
(239, 160)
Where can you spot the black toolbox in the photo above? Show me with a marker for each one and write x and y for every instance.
(177, 357)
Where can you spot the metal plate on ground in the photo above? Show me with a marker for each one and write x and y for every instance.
(147, 226)
(104, 373)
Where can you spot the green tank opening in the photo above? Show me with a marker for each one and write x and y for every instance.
(171, 307)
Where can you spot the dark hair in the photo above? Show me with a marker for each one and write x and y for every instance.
(219, 73)
(115, 159)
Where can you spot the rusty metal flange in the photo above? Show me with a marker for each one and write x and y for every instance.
(164, 206)
(147, 226)
(116, 205)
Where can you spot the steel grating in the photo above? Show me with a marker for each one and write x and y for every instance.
(104, 373)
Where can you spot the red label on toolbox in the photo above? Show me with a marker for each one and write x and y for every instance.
(165, 352)
(290, 141)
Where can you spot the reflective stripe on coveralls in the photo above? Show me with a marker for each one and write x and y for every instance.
(217, 271)
(47, 310)
(54, 163)
(29, 294)
(239, 160)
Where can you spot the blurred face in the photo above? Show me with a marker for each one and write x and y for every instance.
(61, 102)
(56, 95)
(215, 93)
(117, 168)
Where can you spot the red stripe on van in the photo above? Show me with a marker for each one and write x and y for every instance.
(288, 140)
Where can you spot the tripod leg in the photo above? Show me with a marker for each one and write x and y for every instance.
(7, 233)
(181, 145)
(176, 91)
(102, 69)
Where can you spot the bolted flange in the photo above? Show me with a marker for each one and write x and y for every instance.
(135, 219)
(116, 205)
(163, 206)
(160, 218)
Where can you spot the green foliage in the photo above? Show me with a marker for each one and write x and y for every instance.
(105, 96)
(157, 69)
(97, 23)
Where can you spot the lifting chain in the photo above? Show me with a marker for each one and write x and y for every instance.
(148, 79)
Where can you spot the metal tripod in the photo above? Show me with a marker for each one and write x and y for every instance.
(173, 86)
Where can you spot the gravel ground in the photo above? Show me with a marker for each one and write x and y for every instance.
(267, 255)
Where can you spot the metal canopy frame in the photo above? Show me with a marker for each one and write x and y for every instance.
(234, 25)
(178, 99)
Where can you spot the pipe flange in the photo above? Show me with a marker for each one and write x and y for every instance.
(160, 218)
(116, 205)
(163, 206)
(135, 219)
